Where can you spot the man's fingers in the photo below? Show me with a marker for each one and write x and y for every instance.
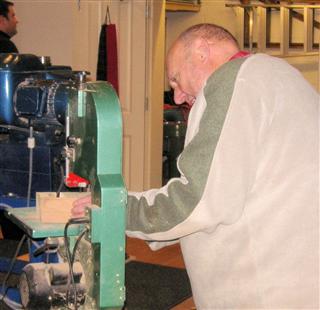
(77, 214)
(83, 200)
(80, 205)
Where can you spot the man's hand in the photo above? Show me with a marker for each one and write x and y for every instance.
(80, 205)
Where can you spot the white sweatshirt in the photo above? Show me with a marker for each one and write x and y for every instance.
(246, 208)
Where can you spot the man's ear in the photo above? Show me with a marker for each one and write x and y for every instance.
(2, 18)
(201, 50)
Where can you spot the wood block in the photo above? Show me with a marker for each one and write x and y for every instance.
(52, 209)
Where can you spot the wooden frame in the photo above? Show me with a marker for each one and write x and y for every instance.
(257, 15)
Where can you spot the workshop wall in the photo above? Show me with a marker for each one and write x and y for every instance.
(61, 30)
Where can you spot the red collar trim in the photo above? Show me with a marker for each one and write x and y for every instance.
(240, 54)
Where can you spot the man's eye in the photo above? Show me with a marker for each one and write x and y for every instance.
(173, 78)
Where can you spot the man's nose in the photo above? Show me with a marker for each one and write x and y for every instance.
(179, 96)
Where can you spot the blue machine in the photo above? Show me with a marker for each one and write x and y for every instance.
(32, 102)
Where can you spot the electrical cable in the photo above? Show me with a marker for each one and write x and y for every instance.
(73, 258)
(13, 260)
(31, 145)
(71, 275)
(11, 304)
(62, 180)
(68, 254)
(77, 244)
(4, 205)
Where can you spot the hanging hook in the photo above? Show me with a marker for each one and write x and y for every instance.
(107, 19)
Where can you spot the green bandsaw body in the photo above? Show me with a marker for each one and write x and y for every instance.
(95, 118)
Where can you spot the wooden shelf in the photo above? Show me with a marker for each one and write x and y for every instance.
(274, 3)
(176, 6)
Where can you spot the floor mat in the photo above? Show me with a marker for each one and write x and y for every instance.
(155, 287)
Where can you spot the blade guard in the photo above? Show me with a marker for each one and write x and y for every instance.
(73, 180)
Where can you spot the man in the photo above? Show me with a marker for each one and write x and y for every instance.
(245, 208)
(8, 27)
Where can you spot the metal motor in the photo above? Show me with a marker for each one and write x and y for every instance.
(45, 286)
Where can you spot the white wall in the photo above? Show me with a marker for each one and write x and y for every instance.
(59, 29)
(35, 35)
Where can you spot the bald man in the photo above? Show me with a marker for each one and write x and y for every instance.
(8, 27)
(246, 207)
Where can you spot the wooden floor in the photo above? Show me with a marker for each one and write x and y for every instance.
(168, 256)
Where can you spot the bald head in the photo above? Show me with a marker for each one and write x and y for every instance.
(194, 56)
(210, 32)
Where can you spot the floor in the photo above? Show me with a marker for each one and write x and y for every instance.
(168, 256)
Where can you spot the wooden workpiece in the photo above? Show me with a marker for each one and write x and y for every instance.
(53, 209)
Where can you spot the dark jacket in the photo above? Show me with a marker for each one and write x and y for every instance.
(6, 45)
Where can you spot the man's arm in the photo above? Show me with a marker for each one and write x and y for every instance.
(216, 173)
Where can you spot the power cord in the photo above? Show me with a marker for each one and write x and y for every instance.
(70, 258)
(61, 181)
(4, 290)
(72, 262)
(77, 244)
(31, 145)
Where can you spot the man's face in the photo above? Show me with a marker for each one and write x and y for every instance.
(182, 75)
(9, 24)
